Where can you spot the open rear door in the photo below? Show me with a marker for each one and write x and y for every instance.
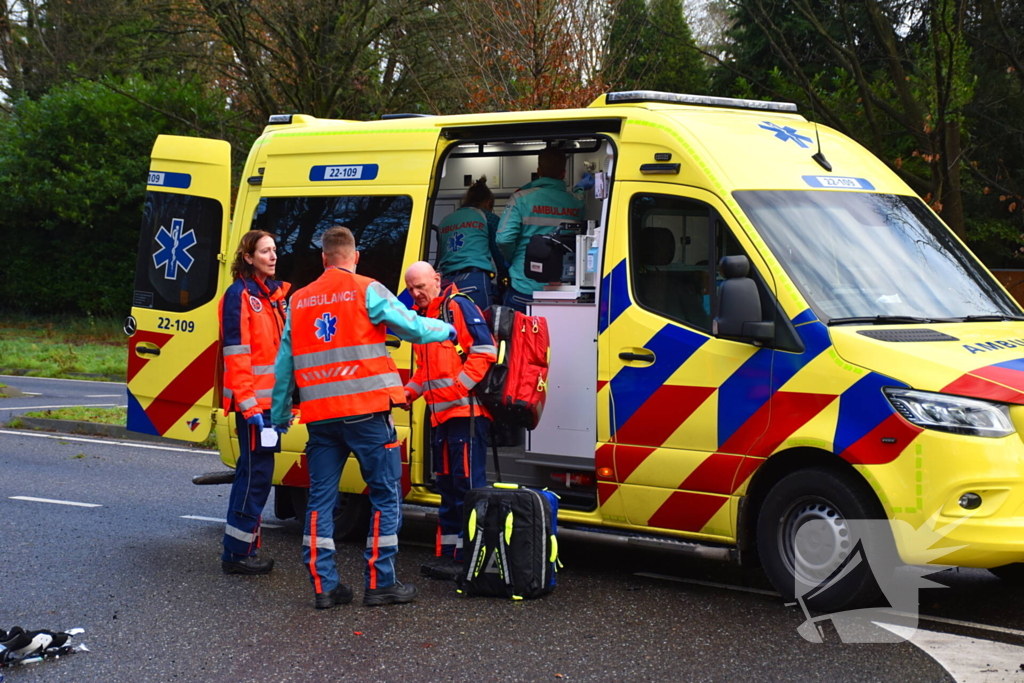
(174, 345)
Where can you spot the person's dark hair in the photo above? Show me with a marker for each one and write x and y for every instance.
(478, 194)
(551, 163)
(239, 267)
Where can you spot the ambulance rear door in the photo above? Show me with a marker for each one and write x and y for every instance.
(174, 345)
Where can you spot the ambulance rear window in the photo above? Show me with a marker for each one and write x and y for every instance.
(380, 225)
(177, 263)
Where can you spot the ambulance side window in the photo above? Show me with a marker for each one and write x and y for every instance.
(380, 225)
(670, 250)
(177, 269)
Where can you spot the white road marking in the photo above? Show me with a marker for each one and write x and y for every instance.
(32, 393)
(56, 502)
(72, 405)
(224, 521)
(968, 660)
(57, 379)
(100, 395)
(110, 442)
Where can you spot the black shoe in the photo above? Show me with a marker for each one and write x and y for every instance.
(395, 594)
(248, 565)
(444, 568)
(341, 595)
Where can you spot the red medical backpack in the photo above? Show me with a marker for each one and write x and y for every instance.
(515, 387)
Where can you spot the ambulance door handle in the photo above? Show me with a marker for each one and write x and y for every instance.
(644, 356)
(392, 341)
(151, 350)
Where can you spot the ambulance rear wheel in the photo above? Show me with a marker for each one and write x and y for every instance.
(796, 564)
(351, 515)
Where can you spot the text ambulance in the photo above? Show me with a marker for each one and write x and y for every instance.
(762, 327)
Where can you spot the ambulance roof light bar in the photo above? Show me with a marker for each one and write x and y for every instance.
(634, 96)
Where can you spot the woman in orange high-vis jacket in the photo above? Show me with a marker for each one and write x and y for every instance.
(252, 315)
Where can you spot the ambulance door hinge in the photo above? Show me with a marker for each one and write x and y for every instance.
(222, 258)
(213, 417)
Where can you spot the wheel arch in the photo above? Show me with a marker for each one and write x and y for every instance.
(775, 468)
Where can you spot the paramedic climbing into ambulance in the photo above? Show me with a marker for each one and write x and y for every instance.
(467, 253)
(446, 373)
(537, 209)
(252, 315)
(333, 348)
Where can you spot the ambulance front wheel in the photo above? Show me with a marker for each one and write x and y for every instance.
(800, 564)
(351, 515)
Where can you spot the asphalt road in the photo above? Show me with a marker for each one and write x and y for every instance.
(42, 393)
(145, 583)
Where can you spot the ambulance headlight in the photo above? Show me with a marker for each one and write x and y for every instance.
(952, 413)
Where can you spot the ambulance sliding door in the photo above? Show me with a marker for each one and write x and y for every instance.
(174, 343)
(683, 404)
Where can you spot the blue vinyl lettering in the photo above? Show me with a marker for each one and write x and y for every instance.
(838, 183)
(180, 181)
(343, 172)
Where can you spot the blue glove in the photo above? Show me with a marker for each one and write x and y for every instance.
(257, 420)
(586, 182)
(281, 429)
(453, 336)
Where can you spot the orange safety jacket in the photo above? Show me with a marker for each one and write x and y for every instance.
(445, 373)
(342, 366)
(252, 315)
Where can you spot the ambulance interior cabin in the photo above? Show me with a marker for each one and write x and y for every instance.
(559, 453)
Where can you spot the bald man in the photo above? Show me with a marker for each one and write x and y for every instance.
(446, 373)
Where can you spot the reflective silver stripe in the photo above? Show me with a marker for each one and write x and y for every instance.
(550, 222)
(264, 393)
(344, 354)
(247, 403)
(439, 407)
(320, 542)
(263, 369)
(439, 383)
(383, 541)
(450, 539)
(347, 387)
(238, 348)
(484, 348)
(228, 393)
(458, 542)
(415, 388)
(466, 381)
(234, 532)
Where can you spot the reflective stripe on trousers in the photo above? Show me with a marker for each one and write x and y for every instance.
(249, 492)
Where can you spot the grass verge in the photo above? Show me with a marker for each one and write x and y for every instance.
(63, 346)
(110, 416)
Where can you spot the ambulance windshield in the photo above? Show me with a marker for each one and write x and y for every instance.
(860, 255)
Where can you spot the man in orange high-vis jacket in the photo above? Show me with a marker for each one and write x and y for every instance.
(446, 372)
(333, 350)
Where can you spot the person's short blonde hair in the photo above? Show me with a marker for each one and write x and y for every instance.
(338, 242)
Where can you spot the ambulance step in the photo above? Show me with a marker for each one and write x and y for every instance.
(218, 477)
(618, 537)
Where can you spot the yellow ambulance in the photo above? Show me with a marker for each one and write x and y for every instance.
(761, 325)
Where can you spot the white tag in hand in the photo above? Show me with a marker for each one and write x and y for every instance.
(268, 437)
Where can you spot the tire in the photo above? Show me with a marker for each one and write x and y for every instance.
(1011, 573)
(829, 495)
(351, 515)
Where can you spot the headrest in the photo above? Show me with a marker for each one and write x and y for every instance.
(734, 266)
(658, 246)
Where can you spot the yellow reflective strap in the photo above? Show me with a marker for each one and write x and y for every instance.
(508, 528)
(554, 549)
(517, 597)
(501, 352)
(472, 524)
(501, 485)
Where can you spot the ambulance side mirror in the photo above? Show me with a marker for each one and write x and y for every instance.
(739, 304)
